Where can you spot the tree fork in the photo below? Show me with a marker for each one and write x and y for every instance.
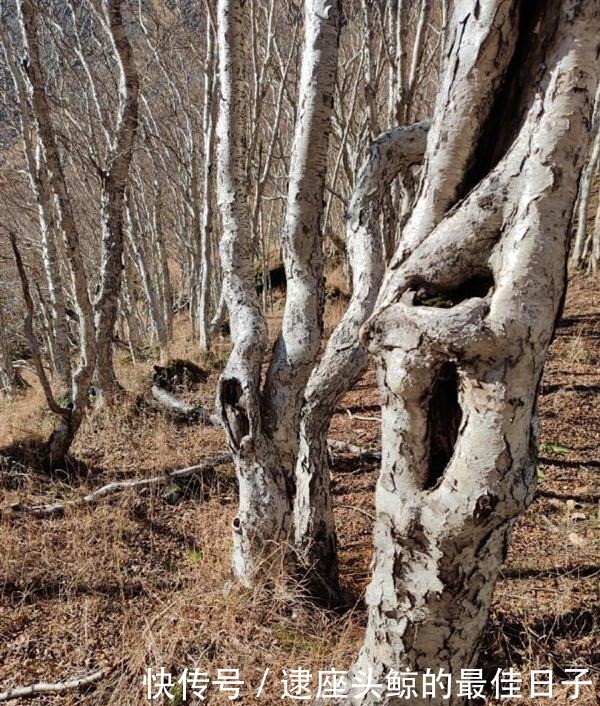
(473, 298)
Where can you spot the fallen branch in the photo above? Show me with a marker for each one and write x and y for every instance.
(92, 498)
(583, 498)
(189, 411)
(119, 486)
(359, 510)
(346, 447)
(19, 692)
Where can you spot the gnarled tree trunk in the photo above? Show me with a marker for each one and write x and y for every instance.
(462, 325)
(262, 424)
(345, 358)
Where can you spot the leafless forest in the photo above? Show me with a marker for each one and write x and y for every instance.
(299, 351)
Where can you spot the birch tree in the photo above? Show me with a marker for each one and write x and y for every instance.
(463, 322)
(114, 182)
(582, 242)
(54, 196)
(261, 424)
(345, 359)
(40, 186)
(69, 418)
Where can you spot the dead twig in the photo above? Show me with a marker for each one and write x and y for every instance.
(59, 508)
(20, 692)
(359, 510)
(120, 486)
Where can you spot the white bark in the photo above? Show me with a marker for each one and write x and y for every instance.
(59, 687)
(345, 359)
(208, 129)
(585, 189)
(261, 490)
(64, 433)
(487, 38)
(459, 384)
(263, 435)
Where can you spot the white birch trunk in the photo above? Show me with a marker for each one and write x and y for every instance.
(459, 379)
(208, 129)
(345, 359)
(585, 188)
(263, 435)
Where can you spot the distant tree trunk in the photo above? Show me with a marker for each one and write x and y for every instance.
(262, 426)
(595, 243)
(591, 249)
(135, 234)
(62, 437)
(345, 359)
(461, 328)
(163, 259)
(585, 189)
(208, 129)
(114, 183)
(7, 376)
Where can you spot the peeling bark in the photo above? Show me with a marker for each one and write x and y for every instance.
(345, 359)
(461, 330)
(262, 425)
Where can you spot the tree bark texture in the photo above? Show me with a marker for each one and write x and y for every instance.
(262, 425)
(345, 359)
(463, 323)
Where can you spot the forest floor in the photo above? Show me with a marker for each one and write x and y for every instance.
(142, 579)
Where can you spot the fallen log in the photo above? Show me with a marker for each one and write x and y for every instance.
(59, 508)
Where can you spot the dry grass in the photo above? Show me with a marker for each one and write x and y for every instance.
(142, 580)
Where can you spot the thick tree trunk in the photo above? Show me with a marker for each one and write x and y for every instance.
(461, 329)
(345, 359)
(114, 183)
(262, 492)
(262, 427)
